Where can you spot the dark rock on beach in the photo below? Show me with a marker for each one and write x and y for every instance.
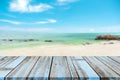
(107, 37)
(10, 40)
(19, 40)
(4, 40)
(48, 40)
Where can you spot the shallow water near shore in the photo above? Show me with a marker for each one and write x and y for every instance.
(56, 38)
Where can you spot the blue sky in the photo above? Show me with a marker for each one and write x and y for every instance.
(60, 15)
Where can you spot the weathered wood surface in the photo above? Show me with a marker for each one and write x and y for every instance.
(60, 69)
(63, 68)
(22, 70)
(110, 63)
(116, 58)
(7, 68)
(101, 69)
(42, 69)
(77, 57)
(72, 69)
(84, 70)
(1, 57)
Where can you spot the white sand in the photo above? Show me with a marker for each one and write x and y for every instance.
(100, 49)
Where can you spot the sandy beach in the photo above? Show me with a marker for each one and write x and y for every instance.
(111, 48)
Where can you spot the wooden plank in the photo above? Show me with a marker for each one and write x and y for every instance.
(110, 63)
(116, 58)
(3, 62)
(72, 69)
(77, 57)
(1, 57)
(6, 60)
(14, 63)
(41, 70)
(102, 70)
(85, 71)
(7, 69)
(3, 73)
(60, 69)
(23, 69)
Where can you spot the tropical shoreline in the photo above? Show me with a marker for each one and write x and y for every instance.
(110, 48)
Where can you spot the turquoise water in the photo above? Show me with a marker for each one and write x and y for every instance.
(57, 38)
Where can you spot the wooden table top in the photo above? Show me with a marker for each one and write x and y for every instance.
(62, 67)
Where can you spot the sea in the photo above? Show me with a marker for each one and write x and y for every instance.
(56, 38)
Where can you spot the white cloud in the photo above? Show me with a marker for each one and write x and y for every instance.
(37, 22)
(10, 21)
(39, 8)
(25, 6)
(26, 29)
(40, 22)
(8, 15)
(91, 30)
(64, 2)
(52, 20)
(46, 22)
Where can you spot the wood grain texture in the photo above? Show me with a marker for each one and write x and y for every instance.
(110, 63)
(102, 70)
(41, 70)
(5, 68)
(6, 60)
(1, 57)
(60, 69)
(116, 58)
(23, 69)
(14, 63)
(85, 71)
(76, 57)
(72, 69)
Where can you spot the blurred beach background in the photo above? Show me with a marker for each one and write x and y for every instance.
(10, 40)
(59, 27)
